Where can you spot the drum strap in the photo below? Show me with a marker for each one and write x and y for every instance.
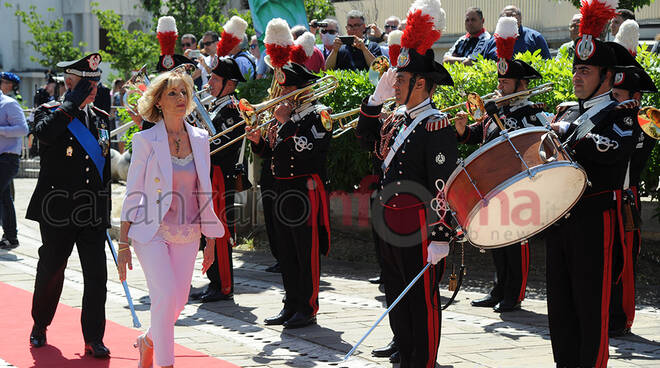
(585, 123)
(401, 137)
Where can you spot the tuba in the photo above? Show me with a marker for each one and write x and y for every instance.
(648, 119)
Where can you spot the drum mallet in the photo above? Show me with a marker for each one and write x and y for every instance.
(398, 299)
(136, 321)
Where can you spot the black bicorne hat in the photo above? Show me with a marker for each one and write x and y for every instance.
(516, 69)
(634, 80)
(169, 62)
(425, 65)
(87, 67)
(297, 75)
(228, 68)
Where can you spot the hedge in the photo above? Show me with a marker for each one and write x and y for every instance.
(348, 163)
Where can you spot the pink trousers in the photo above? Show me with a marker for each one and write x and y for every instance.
(168, 269)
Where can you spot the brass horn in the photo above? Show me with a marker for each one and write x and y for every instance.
(252, 113)
(476, 105)
(648, 119)
(342, 117)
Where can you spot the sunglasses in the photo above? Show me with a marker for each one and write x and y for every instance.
(331, 31)
(186, 44)
(390, 26)
(208, 43)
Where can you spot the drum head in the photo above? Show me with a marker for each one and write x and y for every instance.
(523, 206)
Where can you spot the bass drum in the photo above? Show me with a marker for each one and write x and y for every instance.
(514, 187)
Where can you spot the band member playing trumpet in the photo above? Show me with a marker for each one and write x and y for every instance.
(629, 85)
(511, 262)
(222, 83)
(599, 137)
(298, 143)
(417, 148)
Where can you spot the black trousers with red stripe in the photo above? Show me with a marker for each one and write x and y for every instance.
(579, 250)
(624, 275)
(416, 320)
(221, 272)
(299, 257)
(512, 267)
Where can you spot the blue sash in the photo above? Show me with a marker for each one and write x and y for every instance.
(89, 144)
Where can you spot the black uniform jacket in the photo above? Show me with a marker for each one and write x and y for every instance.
(516, 116)
(298, 147)
(429, 153)
(69, 191)
(225, 116)
(605, 151)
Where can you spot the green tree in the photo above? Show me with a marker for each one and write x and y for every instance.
(624, 4)
(196, 17)
(126, 51)
(48, 39)
(319, 9)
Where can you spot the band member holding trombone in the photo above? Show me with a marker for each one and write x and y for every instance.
(418, 150)
(599, 136)
(71, 201)
(511, 262)
(222, 84)
(223, 81)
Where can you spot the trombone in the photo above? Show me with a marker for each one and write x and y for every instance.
(352, 124)
(251, 113)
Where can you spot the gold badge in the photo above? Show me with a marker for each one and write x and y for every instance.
(69, 151)
(326, 119)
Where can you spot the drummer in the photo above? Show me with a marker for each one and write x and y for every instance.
(579, 246)
(511, 262)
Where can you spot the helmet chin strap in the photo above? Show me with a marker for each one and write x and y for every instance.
(603, 74)
(411, 86)
(224, 84)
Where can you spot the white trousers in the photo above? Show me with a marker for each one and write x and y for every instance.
(168, 269)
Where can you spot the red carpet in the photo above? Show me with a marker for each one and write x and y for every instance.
(65, 342)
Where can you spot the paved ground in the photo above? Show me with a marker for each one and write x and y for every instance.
(234, 331)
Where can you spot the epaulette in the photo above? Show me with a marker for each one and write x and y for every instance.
(103, 112)
(51, 104)
(626, 105)
(437, 122)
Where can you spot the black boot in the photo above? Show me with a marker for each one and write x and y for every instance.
(38, 336)
(386, 350)
(488, 301)
(300, 320)
(280, 318)
(97, 349)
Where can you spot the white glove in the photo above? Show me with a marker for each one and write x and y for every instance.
(384, 89)
(437, 251)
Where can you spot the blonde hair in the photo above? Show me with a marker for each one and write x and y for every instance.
(147, 103)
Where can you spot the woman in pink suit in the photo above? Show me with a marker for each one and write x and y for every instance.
(166, 209)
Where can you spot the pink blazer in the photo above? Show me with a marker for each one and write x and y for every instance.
(150, 180)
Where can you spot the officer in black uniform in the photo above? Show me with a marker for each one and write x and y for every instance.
(223, 81)
(599, 136)
(511, 262)
(629, 84)
(417, 148)
(298, 143)
(71, 201)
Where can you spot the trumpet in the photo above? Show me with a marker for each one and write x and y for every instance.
(251, 113)
(352, 124)
(648, 119)
(476, 105)
(459, 105)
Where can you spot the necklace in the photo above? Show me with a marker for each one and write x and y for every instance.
(176, 138)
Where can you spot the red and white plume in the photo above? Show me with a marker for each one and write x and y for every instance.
(303, 48)
(278, 41)
(167, 35)
(628, 36)
(595, 15)
(394, 44)
(233, 33)
(424, 25)
(506, 34)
